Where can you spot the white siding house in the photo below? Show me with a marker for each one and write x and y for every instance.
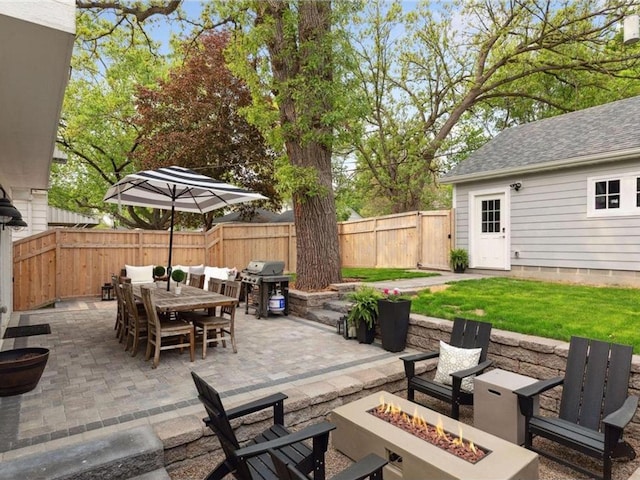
(36, 42)
(557, 199)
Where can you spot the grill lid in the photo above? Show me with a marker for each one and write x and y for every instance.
(265, 267)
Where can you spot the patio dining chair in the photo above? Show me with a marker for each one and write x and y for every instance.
(120, 312)
(160, 331)
(464, 357)
(215, 328)
(196, 280)
(136, 320)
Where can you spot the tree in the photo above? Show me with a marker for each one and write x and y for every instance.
(462, 72)
(299, 103)
(192, 119)
(96, 128)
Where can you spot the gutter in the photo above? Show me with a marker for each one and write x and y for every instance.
(627, 154)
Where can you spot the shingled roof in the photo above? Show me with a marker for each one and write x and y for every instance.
(596, 134)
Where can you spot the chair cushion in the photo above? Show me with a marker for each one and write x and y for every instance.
(197, 269)
(215, 272)
(453, 359)
(143, 274)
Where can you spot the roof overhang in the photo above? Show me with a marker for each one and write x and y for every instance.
(620, 155)
(36, 42)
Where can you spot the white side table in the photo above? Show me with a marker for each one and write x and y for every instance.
(495, 408)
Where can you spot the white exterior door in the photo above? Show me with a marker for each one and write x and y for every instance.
(489, 231)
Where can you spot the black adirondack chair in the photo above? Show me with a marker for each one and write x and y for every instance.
(594, 407)
(253, 461)
(465, 334)
(370, 467)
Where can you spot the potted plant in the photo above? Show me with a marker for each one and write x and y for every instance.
(363, 313)
(158, 272)
(178, 276)
(459, 259)
(393, 317)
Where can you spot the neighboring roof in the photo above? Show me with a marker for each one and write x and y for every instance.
(57, 217)
(261, 216)
(596, 134)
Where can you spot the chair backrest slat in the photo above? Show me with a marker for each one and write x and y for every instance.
(618, 381)
(215, 285)
(471, 334)
(594, 385)
(231, 289)
(196, 280)
(596, 381)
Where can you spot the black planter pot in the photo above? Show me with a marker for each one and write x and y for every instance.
(459, 269)
(393, 318)
(365, 334)
(21, 369)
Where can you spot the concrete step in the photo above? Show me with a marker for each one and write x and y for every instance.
(118, 455)
(321, 315)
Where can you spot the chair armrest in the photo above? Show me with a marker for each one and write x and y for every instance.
(322, 428)
(526, 394)
(473, 370)
(621, 417)
(276, 401)
(362, 469)
(538, 387)
(410, 361)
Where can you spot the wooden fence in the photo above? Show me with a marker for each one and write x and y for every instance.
(75, 263)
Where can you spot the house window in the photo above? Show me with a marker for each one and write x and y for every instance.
(607, 194)
(614, 196)
(490, 216)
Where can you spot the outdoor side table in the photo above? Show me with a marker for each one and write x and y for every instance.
(495, 408)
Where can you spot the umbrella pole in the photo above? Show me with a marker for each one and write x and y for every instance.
(173, 211)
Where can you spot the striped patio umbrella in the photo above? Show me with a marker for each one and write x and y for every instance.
(176, 189)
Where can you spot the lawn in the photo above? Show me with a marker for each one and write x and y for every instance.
(378, 274)
(544, 309)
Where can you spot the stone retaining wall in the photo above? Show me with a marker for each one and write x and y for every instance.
(528, 355)
(187, 440)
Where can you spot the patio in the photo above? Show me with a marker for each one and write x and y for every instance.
(91, 387)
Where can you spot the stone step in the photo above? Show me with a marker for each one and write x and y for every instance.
(341, 305)
(159, 474)
(122, 454)
(321, 315)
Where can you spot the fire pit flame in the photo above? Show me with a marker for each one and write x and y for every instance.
(435, 435)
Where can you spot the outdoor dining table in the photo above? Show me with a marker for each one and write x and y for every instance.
(190, 298)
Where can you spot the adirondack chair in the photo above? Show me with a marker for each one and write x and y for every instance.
(466, 334)
(369, 467)
(253, 461)
(594, 407)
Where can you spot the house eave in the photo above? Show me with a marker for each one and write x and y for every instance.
(620, 155)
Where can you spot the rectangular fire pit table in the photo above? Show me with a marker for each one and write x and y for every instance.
(358, 433)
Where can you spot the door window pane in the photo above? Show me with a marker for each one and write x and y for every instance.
(490, 216)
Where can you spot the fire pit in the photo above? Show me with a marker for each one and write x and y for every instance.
(361, 430)
(415, 424)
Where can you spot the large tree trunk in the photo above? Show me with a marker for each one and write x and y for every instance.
(305, 62)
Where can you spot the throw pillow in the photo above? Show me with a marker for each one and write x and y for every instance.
(453, 359)
(140, 274)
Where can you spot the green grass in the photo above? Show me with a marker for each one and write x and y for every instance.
(550, 310)
(378, 274)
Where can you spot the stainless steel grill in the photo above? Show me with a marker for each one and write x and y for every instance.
(262, 279)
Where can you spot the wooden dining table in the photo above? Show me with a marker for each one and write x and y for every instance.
(190, 298)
